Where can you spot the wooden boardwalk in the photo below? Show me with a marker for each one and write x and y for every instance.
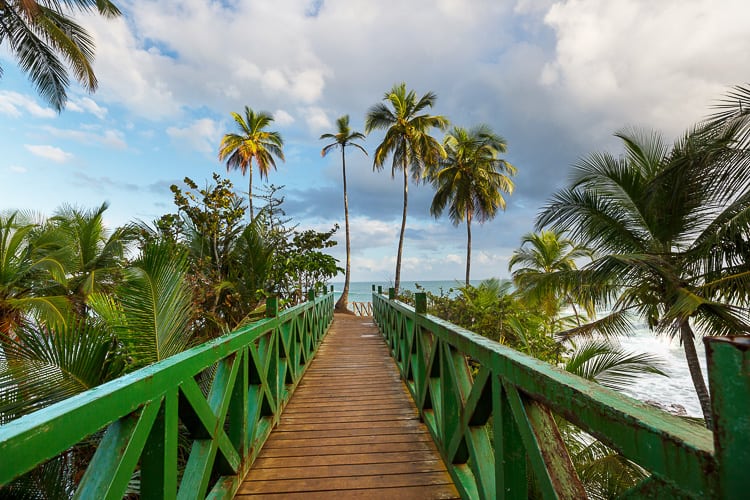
(351, 429)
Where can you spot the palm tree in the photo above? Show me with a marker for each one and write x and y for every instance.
(41, 32)
(30, 275)
(670, 226)
(542, 256)
(94, 256)
(252, 143)
(408, 140)
(345, 137)
(471, 178)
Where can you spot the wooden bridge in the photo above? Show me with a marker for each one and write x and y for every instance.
(300, 404)
(351, 430)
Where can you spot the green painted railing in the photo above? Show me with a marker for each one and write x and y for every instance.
(496, 432)
(255, 369)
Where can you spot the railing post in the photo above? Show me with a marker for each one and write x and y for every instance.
(380, 290)
(373, 288)
(420, 303)
(311, 294)
(331, 288)
(272, 306)
(391, 293)
(729, 380)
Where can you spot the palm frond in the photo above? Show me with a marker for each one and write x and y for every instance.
(152, 310)
(610, 365)
(46, 365)
(615, 324)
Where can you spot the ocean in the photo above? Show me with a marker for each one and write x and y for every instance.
(676, 389)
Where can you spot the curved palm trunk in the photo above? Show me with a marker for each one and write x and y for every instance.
(403, 229)
(250, 191)
(343, 302)
(688, 342)
(468, 246)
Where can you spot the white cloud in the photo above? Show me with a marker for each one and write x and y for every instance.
(202, 135)
(91, 135)
(49, 152)
(307, 85)
(14, 104)
(17, 169)
(316, 119)
(454, 259)
(640, 62)
(282, 118)
(114, 139)
(86, 105)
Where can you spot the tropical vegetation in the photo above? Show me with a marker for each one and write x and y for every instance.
(407, 140)
(535, 266)
(81, 305)
(471, 179)
(670, 225)
(42, 36)
(344, 137)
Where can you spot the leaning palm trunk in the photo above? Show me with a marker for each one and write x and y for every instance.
(688, 342)
(397, 281)
(468, 245)
(343, 302)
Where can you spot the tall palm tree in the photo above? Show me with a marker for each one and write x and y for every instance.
(670, 225)
(41, 34)
(408, 140)
(343, 138)
(252, 142)
(471, 178)
(542, 256)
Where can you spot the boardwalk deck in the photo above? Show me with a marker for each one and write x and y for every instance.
(351, 430)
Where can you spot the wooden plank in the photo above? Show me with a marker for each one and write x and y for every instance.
(388, 438)
(375, 448)
(373, 426)
(345, 483)
(346, 470)
(358, 458)
(351, 429)
(403, 493)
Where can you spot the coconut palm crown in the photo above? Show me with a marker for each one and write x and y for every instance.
(252, 143)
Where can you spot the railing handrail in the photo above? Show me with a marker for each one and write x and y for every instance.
(32, 439)
(678, 454)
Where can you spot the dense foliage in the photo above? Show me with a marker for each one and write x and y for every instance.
(81, 305)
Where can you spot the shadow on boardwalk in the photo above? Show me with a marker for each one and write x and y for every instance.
(351, 429)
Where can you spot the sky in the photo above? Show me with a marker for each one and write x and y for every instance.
(555, 79)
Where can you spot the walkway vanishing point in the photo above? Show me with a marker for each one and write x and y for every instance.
(351, 429)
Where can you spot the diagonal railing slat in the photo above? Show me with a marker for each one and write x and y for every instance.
(512, 398)
(255, 370)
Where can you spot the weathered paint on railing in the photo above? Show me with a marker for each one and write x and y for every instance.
(257, 368)
(513, 396)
